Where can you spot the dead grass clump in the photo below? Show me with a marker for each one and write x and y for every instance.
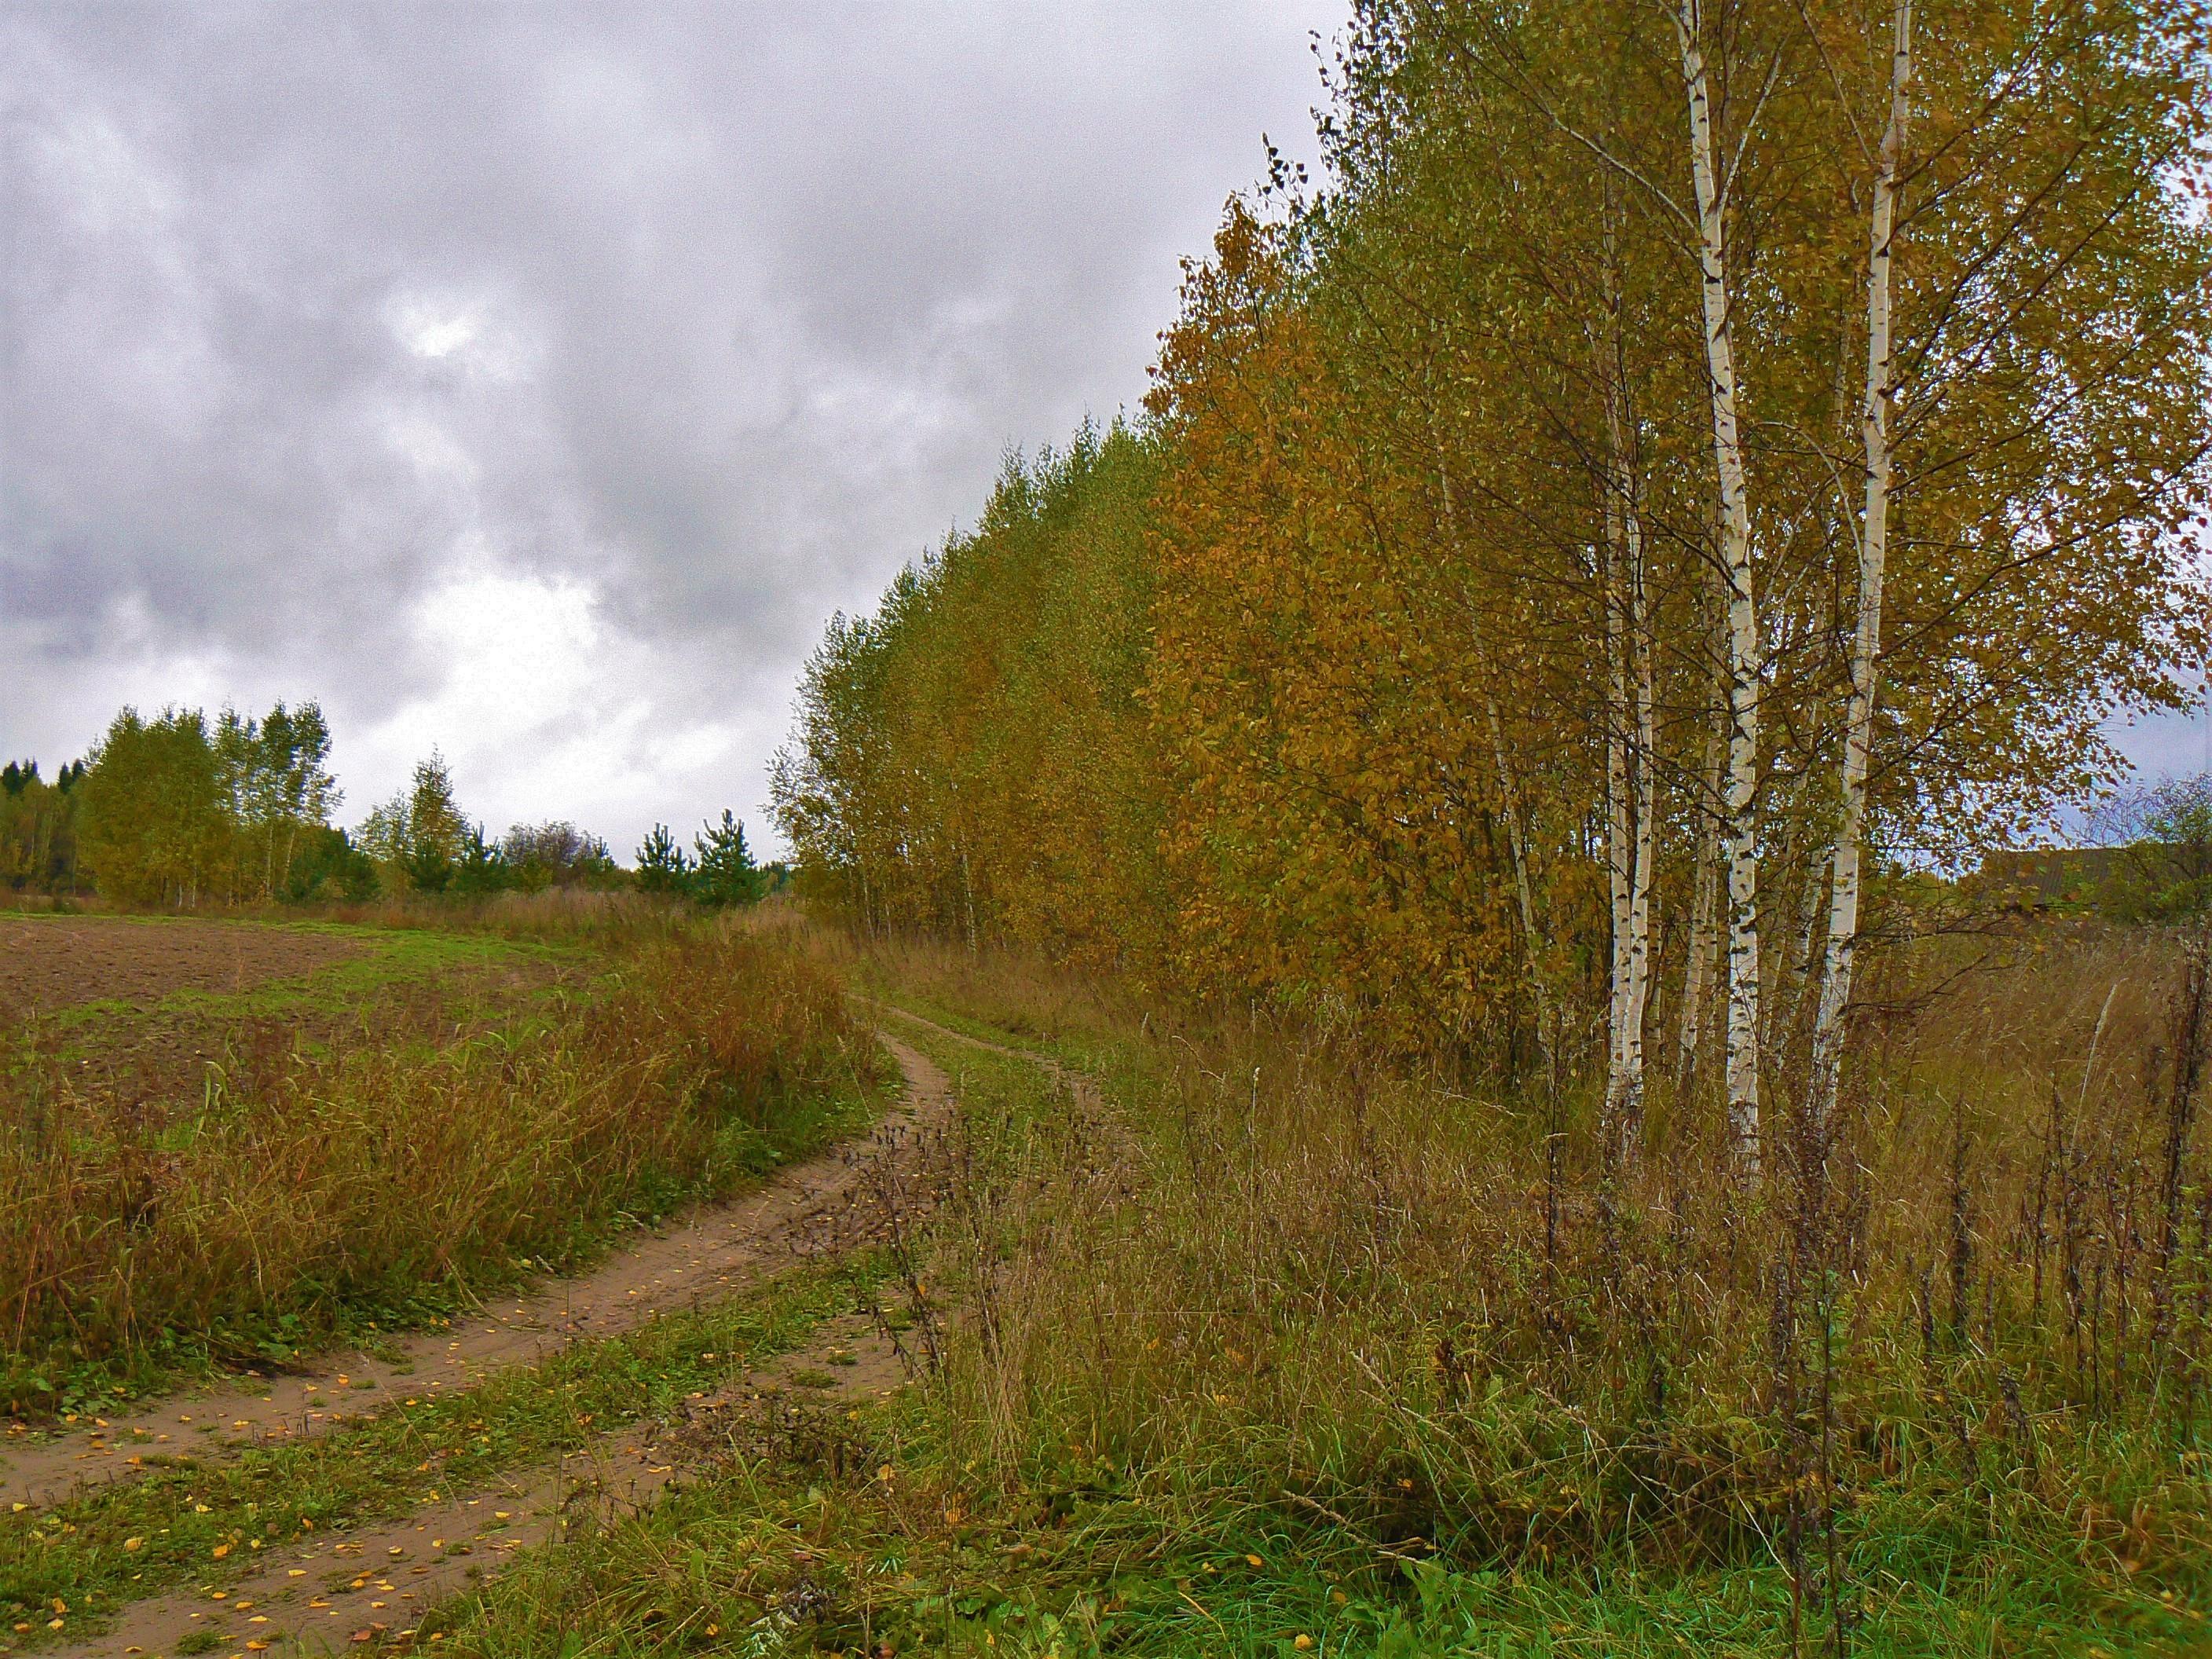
(1266, 1271)
(1019, 991)
(312, 1182)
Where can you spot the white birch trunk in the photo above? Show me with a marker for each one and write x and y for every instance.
(1697, 972)
(1874, 553)
(1739, 820)
(1619, 846)
(1630, 778)
(1647, 779)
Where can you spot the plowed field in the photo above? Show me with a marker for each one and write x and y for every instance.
(49, 964)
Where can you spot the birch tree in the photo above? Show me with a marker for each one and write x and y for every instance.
(1739, 825)
(1873, 541)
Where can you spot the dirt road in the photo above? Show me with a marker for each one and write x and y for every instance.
(339, 1588)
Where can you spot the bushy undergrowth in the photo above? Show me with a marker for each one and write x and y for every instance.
(1961, 1338)
(313, 1184)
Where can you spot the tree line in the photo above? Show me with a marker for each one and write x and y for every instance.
(1686, 467)
(178, 810)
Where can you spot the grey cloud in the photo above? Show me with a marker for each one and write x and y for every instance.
(720, 311)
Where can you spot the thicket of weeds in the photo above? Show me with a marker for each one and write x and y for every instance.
(1956, 1337)
(557, 913)
(315, 1182)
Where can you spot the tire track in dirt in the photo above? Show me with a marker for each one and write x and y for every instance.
(372, 1584)
(358, 1586)
(712, 1251)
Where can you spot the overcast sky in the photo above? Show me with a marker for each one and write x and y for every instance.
(532, 378)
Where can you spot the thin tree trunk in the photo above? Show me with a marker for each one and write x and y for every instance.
(1873, 551)
(1647, 824)
(968, 891)
(1629, 771)
(1697, 972)
(1620, 826)
(1740, 824)
(1509, 793)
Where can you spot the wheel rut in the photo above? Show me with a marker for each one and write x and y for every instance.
(349, 1588)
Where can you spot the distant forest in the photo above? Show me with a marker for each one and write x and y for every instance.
(179, 810)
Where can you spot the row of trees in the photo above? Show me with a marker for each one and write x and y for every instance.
(39, 827)
(421, 841)
(718, 871)
(177, 810)
(1687, 455)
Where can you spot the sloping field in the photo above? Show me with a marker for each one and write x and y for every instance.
(50, 964)
(141, 1012)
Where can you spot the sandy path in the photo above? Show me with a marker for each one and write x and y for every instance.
(347, 1589)
(714, 1250)
(344, 1588)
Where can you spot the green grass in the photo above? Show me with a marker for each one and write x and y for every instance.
(82, 1552)
(897, 1524)
(1090, 1550)
(352, 987)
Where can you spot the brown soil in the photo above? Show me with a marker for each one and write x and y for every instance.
(367, 1585)
(374, 1584)
(50, 964)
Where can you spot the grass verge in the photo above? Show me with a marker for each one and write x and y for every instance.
(163, 1530)
(1210, 1391)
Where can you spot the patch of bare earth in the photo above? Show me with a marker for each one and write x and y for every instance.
(145, 1063)
(51, 963)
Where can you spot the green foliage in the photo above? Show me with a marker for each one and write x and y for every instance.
(419, 837)
(2166, 866)
(277, 777)
(1303, 696)
(174, 811)
(663, 867)
(555, 853)
(483, 867)
(325, 863)
(156, 824)
(724, 875)
(40, 827)
(976, 757)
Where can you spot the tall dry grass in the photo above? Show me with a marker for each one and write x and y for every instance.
(1260, 1268)
(315, 1182)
